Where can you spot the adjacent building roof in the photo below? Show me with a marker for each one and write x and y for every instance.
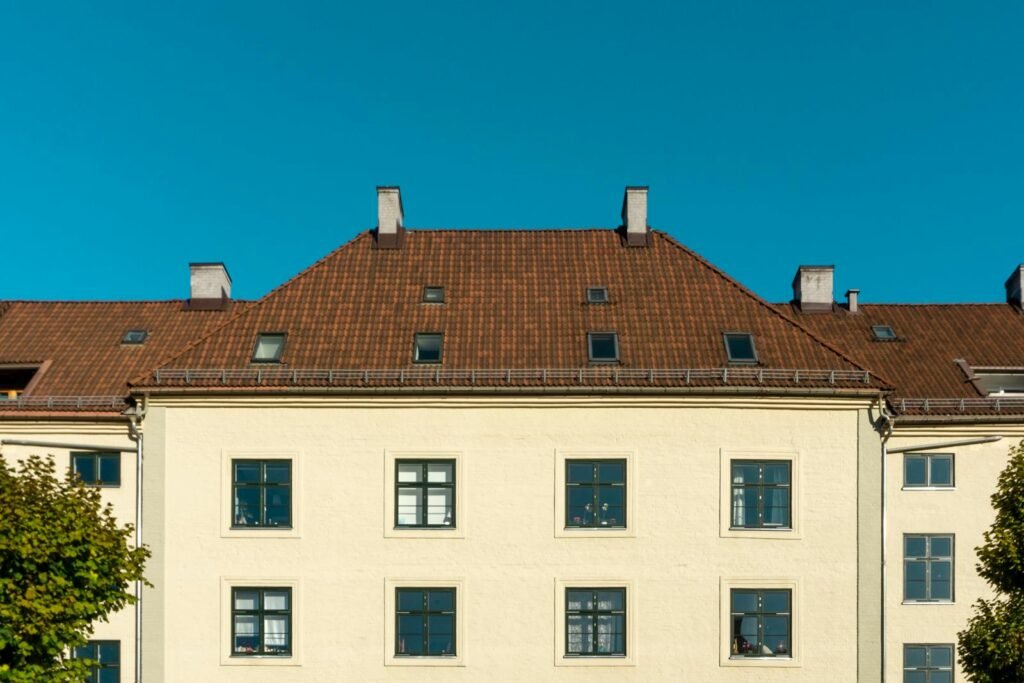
(515, 313)
(77, 347)
(936, 349)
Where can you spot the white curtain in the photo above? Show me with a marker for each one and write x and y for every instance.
(737, 502)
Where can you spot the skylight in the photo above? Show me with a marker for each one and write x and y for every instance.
(269, 347)
(1001, 382)
(597, 295)
(14, 380)
(603, 347)
(883, 332)
(427, 347)
(433, 295)
(134, 337)
(739, 346)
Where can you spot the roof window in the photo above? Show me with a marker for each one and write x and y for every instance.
(427, 347)
(269, 347)
(1001, 382)
(433, 295)
(597, 295)
(884, 333)
(603, 347)
(739, 346)
(14, 380)
(133, 337)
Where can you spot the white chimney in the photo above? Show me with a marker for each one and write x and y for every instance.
(812, 288)
(851, 300)
(1015, 288)
(389, 217)
(210, 284)
(634, 216)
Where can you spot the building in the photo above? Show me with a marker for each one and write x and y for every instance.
(556, 454)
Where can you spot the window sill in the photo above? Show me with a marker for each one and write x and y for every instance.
(425, 532)
(928, 602)
(761, 662)
(596, 532)
(767, 533)
(260, 532)
(928, 488)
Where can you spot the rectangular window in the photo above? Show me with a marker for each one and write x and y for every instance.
(595, 622)
(761, 623)
(927, 664)
(97, 469)
(269, 347)
(928, 568)
(131, 337)
(425, 622)
(595, 493)
(262, 493)
(105, 658)
(933, 470)
(424, 493)
(261, 622)
(433, 295)
(597, 295)
(427, 347)
(761, 494)
(739, 347)
(603, 347)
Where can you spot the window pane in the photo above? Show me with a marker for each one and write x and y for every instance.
(744, 601)
(247, 633)
(107, 676)
(410, 600)
(776, 601)
(942, 546)
(581, 504)
(746, 473)
(247, 472)
(741, 346)
(441, 601)
(913, 656)
(580, 473)
(85, 468)
(410, 472)
(275, 628)
(941, 677)
(410, 512)
(279, 506)
(611, 473)
(942, 470)
(439, 473)
(410, 635)
(269, 347)
(278, 472)
(602, 347)
(441, 625)
(579, 635)
(941, 589)
(275, 600)
(110, 469)
(610, 633)
(428, 348)
(915, 677)
(915, 470)
(915, 546)
(439, 506)
(247, 600)
(777, 473)
(610, 600)
(247, 506)
(942, 656)
(110, 653)
(441, 644)
(85, 652)
(579, 600)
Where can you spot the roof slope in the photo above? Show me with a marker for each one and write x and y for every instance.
(514, 299)
(921, 362)
(78, 344)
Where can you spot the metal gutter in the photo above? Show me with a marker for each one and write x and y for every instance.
(945, 444)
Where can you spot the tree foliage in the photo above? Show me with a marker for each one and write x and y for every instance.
(991, 648)
(65, 562)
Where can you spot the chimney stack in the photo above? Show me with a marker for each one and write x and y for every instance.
(812, 288)
(634, 216)
(851, 300)
(389, 217)
(210, 286)
(1015, 288)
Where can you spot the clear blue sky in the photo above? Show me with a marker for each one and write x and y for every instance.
(884, 137)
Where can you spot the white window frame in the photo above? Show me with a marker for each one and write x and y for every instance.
(390, 464)
(227, 583)
(563, 583)
(929, 456)
(227, 495)
(390, 586)
(727, 585)
(726, 530)
(562, 531)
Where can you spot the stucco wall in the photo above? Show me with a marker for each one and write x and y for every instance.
(964, 511)
(509, 561)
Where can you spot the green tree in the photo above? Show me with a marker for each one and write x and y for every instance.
(991, 648)
(64, 563)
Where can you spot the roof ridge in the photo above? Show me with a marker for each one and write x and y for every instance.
(521, 229)
(767, 306)
(255, 305)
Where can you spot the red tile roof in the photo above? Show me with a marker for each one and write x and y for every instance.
(84, 366)
(515, 301)
(921, 362)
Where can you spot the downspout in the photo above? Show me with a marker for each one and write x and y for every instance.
(135, 433)
(885, 426)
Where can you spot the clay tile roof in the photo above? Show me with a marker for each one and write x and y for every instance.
(83, 365)
(921, 362)
(514, 301)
